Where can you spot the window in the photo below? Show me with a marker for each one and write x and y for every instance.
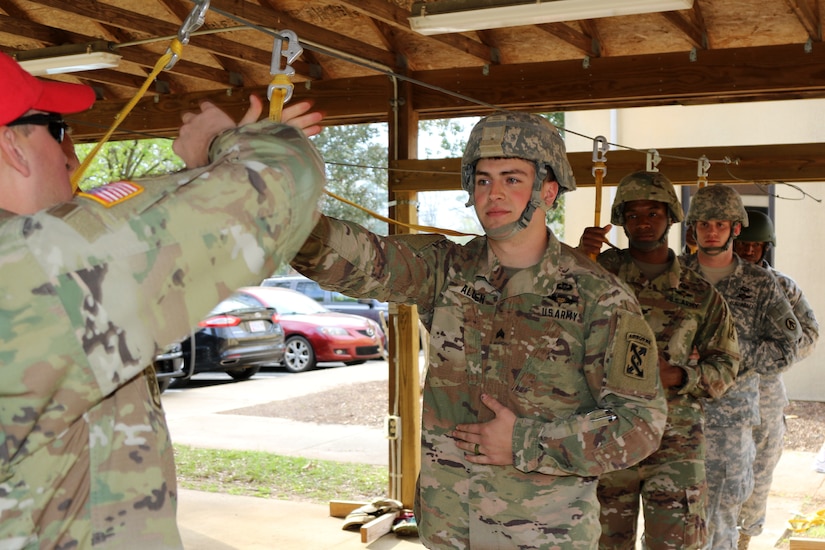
(311, 289)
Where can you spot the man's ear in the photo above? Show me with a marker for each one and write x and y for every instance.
(737, 228)
(13, 152)
(550, 192)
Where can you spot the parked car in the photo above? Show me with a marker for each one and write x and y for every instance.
(335, 301)
(238, 337)
(315, 334)
(169, 365)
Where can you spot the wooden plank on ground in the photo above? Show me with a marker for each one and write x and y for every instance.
(342, 508)
(807, 544)
(378, 527)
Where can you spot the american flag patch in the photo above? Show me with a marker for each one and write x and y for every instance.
(113, 193)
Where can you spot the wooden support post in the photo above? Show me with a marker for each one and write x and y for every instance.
(404, 376)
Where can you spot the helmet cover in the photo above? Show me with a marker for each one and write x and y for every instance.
(640, 186)
(717, 202)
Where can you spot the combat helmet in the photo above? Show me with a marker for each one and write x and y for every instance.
(717, 202)
(640, 186)
(759, 229)
(518, 135)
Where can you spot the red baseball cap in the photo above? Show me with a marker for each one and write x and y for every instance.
(20, 92)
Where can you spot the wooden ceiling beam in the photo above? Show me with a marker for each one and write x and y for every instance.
(105, 13)
(344, 101)
(717, 76)
(575, 38)
(808, 15)
(696, 35)
(280, 20)
(714, 76)
(791, 163)
(398, 18)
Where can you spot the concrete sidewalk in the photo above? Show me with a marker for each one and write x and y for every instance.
(213, 521)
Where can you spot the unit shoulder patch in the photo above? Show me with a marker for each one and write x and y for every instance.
(634, 360)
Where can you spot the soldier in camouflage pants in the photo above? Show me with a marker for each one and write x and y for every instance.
(752, 245)
(542, 371)
(689, 317)
(769, 338)
(93, 286)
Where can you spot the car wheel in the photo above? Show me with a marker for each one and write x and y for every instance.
(243, 374)
(299, 355)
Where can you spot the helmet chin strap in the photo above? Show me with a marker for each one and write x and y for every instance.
(536, 202)
(511, 229)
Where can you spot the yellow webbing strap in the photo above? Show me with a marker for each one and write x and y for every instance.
(801, 524)
(376, 215)
(280, 86)
(175, 48)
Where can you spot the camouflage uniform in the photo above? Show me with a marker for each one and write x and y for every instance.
(685, 312)
(90, 295)
(559, 340)
(769, 435)
(768, 339)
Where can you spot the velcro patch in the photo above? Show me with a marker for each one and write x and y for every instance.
(113, 193)
(633, 365)
(637, 349)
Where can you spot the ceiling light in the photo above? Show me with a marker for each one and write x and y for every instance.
(71, 58)
(446, 16)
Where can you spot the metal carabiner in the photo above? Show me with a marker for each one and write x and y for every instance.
(192, 23)
(600, 149)
(653, 160)
(291, 52)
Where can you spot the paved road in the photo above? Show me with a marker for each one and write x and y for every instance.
(197, 414)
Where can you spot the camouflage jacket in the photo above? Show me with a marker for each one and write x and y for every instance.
(90, 294)
(558, 344)
(686, 312)
(769, 337)
(801, 308)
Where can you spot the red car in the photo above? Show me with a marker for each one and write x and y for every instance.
(315, 334)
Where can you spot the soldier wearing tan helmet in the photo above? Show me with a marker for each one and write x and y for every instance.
(752, 245)
(769, 338)
(541, 371)
(698, 357)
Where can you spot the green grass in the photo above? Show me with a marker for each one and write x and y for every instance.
(260, 474)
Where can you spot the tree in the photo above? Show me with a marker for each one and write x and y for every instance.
(128, 160)
(356, 160)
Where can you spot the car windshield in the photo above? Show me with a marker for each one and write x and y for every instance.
(289, 302)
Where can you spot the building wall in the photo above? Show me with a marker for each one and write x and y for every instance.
(800, 250)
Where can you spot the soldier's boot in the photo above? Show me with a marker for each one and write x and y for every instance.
(744, 541)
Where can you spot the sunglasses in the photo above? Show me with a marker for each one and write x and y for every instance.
(55, 123)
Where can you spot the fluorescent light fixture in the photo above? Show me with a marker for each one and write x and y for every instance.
(69, 59)
(446, 16)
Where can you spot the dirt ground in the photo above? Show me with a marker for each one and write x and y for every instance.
(365, 404)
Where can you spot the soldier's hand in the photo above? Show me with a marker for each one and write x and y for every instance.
(671, 375)
(199, 129)
(593, 239)
(299, 115)
(494, 438)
